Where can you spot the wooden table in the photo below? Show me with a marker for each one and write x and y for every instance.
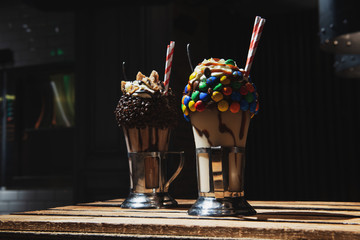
(106, 220)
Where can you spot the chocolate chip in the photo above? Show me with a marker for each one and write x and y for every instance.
(159, 111)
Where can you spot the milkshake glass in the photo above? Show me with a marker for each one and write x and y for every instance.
(146, 116)
(219, 102)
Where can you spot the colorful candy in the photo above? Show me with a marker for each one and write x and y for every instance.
(224, 89)
(227, 91)
(186, 90)
(212, 80)
(236, 85)
(182, 100)
(249, 87)
(218, 87)
(230, 61)
(185, 110)
(235, 107)
(193, 76)
(195, 85)
(235, 96)
(187, 118)
(195, 96)
(244, 105)
(186, 100)
(217, 96)
(192, 106)
(203, 86)
(238, 75)
(252, 107)
(204, 96)
(249, 97)
(200, 106)
(243, 90)
(223, 106)
(225, 80)
(257, 107)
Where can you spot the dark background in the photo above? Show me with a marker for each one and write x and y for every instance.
(303, 144)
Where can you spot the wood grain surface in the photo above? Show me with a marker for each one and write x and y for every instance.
(106, 220)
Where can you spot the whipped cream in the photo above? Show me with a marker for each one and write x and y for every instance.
(217, 67)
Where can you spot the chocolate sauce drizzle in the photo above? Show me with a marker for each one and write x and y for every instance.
(243, 123)
(140, 139)
(223, 128)
(204, 132)
(153, 147)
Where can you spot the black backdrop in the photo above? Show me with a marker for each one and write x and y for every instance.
(303, 144)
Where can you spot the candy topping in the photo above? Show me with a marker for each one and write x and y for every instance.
(224, 80)
(185, 110)
(217, 96)
(243, 90)
(223, 105)
(230, 61)
(195, 96)
(186, 100)
(220, 84)
(235, 96)
(192, 106)
(192, 76)
(200, 106)
(203, 86)
(204, 96)
(235, 107)
(211, 80)
(218, 87)
(227, 91)
(249, 87)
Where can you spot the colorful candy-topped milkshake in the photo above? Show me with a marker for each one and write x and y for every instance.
(219, 101)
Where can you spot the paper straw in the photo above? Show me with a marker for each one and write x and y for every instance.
(168, 65)
(255, 37)
(256, 25)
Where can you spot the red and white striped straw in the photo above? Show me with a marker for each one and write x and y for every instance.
(168, 65)
(255, 37)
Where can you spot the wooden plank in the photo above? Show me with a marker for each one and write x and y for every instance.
(263, 215)
(186, 227)
(281, 215)
(284, 220)
(36, 235)
(307, 205)
(175, 210)
(110, 208)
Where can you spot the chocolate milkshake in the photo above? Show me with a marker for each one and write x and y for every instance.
(146, 114)
(219, 102)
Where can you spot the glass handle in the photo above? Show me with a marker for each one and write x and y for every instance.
(178, 170)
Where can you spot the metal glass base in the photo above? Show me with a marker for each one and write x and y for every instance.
(210, 206)
(149, 200)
